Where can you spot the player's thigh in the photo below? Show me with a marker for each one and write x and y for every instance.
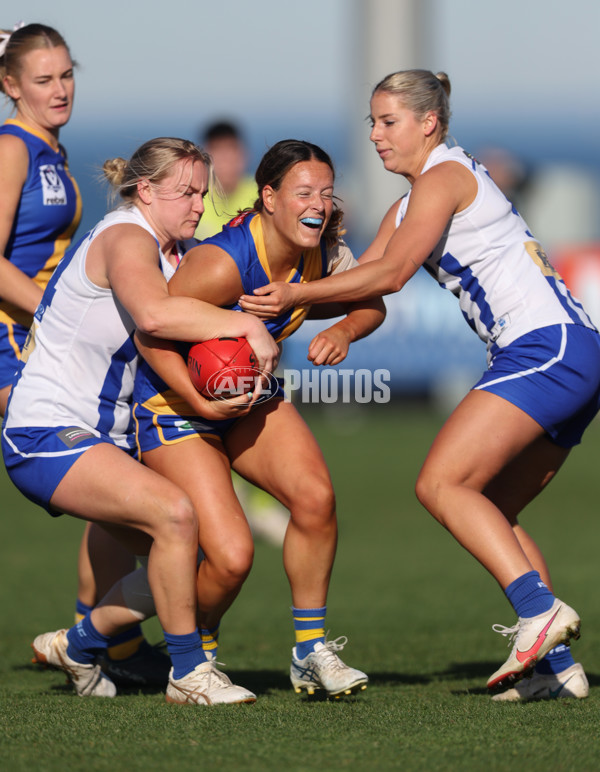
(482, 435)
(202, 469)
(525, 476)
(108, 486)
(275, 449)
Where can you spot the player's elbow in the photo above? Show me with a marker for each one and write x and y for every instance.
(151, 321)
(393, 283)
(388, 280)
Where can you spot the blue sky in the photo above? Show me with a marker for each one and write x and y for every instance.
(144, 57)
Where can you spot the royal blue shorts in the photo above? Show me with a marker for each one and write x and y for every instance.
(553, 375)
(38, 457)
(155, 429)
(12, 340)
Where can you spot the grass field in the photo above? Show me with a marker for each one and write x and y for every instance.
(417, 610)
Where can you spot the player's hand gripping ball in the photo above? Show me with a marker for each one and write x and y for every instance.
(223, 367)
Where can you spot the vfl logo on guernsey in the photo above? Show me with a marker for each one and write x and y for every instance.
(73, 435)
(53, 189)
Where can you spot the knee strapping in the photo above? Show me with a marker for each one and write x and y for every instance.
(137, 594)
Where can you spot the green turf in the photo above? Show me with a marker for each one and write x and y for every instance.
(417, 610)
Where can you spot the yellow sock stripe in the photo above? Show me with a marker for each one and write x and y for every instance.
(309, 635)
(210, 641)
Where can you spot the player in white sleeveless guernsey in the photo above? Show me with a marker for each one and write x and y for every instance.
(87, 377)
(65, 438)
(41, 205)
(514, 429)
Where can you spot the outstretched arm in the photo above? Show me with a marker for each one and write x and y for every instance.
(125, 259)
(436, 196)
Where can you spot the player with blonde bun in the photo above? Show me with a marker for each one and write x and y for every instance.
(42, 209)
(66, 437)
(513, 431)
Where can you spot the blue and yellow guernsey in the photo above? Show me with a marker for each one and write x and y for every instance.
(47, 216)
(242, 239)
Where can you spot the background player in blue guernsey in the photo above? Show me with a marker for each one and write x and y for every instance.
(66, 437)
(40, 209)
(40, 204)
(291, 233)
(512, 432)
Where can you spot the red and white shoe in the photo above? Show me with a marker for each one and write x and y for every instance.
(532, 639)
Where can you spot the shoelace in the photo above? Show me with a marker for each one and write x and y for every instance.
(209, 678)
(337, 644)
(222, 680)
(508, 632)
(332, 646)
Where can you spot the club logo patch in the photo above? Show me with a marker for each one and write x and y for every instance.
(53, 189)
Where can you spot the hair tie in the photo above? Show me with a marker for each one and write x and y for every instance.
(5, 37)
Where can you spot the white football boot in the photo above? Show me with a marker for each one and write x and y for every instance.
(571, 682)
(88, 679)
(532, 639)
(206, 685)
(323, 669)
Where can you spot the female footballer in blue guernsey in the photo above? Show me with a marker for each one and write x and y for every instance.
(513, 431)
(291, 234)
(40, 204)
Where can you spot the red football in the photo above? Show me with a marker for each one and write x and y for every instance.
(223, 367)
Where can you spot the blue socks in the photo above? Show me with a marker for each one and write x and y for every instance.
(210, 641)
(528, 595)
(556, 660)
(120, 646)
(309, 625)
(186, 652)
(85, 641)
(81, 610)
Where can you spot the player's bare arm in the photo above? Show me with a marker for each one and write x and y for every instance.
(166, 360)
(436, 196)
(207, 273)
